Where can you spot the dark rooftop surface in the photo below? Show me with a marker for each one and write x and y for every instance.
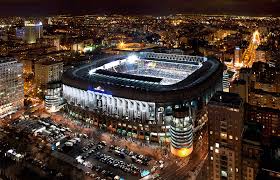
(239, 81)
(252, 133)
(48, 61)
(225, 99)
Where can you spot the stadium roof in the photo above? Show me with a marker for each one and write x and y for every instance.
(119, 84)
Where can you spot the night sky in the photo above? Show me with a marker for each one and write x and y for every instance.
(154, 7)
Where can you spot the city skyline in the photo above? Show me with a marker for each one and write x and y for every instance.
(145, 7)
(103, 90)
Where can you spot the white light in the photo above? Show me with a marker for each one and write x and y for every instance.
(91, 72)
(132, 58)
(217, 145)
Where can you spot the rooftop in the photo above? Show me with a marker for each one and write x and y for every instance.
(226, 99)
(252, 133)
(239, 81)
(48, 61)
(7, 59)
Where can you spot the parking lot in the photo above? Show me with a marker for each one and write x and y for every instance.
(96, 158)
(108, 160)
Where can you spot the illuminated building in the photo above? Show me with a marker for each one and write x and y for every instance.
(142, 95)
(81, 45)
(20, 33)
(33, 31)
(53, 97)
(11, 86)
(225, 127)
(47, 71)
(181, 131)
(269, 119)
(237, 56)
(258, 97)
(225, 81)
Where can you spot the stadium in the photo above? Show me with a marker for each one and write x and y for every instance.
(155, 97)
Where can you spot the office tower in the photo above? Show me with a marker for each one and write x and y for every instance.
(11, 86)
(225, 125)
(47, 71)
(33, 31)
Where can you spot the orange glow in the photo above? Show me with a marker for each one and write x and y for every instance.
(184, 152)
(121, 44)
(256, 37)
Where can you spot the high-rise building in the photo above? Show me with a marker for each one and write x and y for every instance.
(226, 81)
(252, 150)
(11, 86)
(53, 97)
(237, 55)
(258, 97)
(225, 126)
(269, 119)
(182, 131)
(33, 31)
(47, 71)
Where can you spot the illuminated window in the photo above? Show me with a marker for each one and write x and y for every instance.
(217, 145)
(230, 137)
(236, 169)
(211, 132)
(216, 150)
(211, 158)
(223, 135)
(211, 148)
(224, 173)
(236, 138)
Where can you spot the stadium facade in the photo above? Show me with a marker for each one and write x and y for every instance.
(153, 96)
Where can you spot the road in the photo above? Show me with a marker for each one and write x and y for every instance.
(184, 168)
(249, 56)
